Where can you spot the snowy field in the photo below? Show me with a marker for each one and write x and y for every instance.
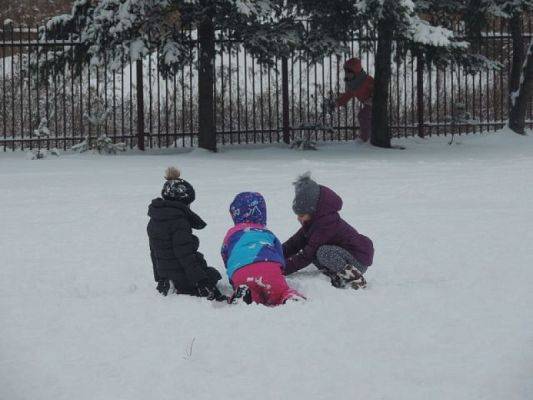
(447, 314)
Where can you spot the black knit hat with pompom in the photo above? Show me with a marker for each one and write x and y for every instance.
(176, 188)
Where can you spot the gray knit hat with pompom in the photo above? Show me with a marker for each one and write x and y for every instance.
(307, 192)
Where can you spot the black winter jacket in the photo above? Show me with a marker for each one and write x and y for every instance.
(174, 248)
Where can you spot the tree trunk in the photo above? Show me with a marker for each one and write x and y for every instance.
(420, 93)
(380, 114)
(206, 122)
(140, 105)
(515, 27)
(285, 99)
(517, 117)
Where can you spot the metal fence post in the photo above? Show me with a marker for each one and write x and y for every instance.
(285, 99)
(140, 105)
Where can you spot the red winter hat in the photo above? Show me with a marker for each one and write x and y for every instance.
(353, 65)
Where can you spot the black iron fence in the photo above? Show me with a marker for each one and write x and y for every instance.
(248, 98)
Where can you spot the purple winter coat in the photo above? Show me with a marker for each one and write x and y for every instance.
(326, 227)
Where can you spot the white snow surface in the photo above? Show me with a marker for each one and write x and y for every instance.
(447, 313)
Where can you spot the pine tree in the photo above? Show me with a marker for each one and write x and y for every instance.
(477, 16)
(117, 30)
(100, 142)
(128, 30)
(521, 80)
(523, 94)
(400, 29)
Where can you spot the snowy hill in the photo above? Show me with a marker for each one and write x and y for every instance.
(447, 314)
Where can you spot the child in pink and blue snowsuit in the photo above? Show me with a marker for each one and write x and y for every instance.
(253, 255)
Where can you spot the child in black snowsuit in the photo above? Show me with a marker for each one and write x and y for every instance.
(173, 247)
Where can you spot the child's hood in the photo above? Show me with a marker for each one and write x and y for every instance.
(162, 210)
(329, 202)
(248, 207)
(354, 65)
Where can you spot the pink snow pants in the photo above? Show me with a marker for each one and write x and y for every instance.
(266, 282)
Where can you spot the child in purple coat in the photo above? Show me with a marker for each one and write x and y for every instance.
(325, 239)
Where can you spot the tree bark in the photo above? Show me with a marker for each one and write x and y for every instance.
(380, 136)
(515, 27)
(206, 122)
(521, 79)
(140, 105)
(420, 93)
(285, 99)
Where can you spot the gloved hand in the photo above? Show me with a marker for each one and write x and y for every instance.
(163, 286)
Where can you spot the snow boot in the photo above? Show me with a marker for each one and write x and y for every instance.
(211, 293)
(294, 298)
(241, 294)
(349, 276)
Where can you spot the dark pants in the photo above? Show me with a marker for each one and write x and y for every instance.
(333, 259)
(365, 122)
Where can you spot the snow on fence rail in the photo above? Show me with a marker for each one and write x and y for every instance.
(248, 98)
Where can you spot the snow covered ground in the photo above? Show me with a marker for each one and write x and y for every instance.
(447, 314)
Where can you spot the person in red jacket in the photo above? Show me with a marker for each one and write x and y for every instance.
(360, 85)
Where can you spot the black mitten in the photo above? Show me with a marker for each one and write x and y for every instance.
(163, 286)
